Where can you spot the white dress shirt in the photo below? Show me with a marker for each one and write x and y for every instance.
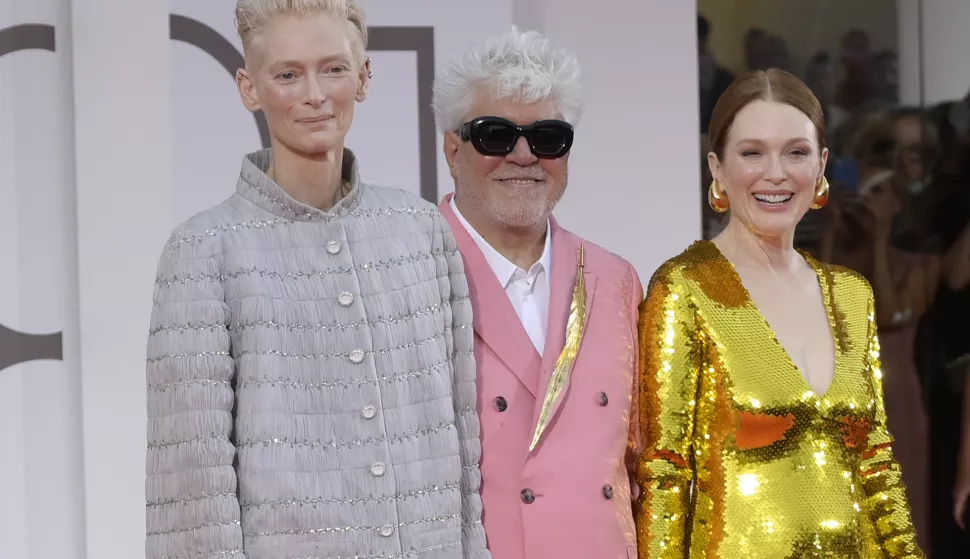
(527, 290)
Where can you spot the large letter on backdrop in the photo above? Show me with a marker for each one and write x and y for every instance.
(41, 477)
(19, 347)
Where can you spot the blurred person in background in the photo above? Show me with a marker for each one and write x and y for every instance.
(854, 87)
(855, 59)
(943, 353)
(763, 50)
(311, 381)
(776, 52)
(755, 45)
(916, 176)
(904, 284)
(917, 148)
(917, 164)
(763, 423)
(951, 119)
(885, 78)
(713, 77)
(903, 140)
(820, 78)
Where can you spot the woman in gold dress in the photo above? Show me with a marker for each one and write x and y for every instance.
(761, 408)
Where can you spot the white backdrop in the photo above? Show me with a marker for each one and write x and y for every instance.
(634, 170)
(121, 133)
(40, 435)
(933, 43)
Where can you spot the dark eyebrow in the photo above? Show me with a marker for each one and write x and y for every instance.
(755, 141)
(298, 63)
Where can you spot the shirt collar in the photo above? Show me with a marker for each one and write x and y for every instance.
(504, 268)
(255, 186)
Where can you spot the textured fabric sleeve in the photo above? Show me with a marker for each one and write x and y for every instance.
(460, 338)
(882, 481)
(192, 510)
(634, 441)
(669, 373)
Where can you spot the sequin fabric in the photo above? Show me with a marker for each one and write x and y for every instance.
(741, 458)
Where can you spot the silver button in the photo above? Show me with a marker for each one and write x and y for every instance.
(386, 530)
(378, 469)
(369, 412)
(345, 298)
(333, 247)
(357, 356)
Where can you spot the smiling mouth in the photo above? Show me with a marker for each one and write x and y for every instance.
(315, 119)
(520, 181)
(774, 199)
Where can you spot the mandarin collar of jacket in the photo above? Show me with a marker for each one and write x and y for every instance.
(256, 186)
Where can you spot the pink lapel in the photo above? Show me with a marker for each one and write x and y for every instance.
(495, 320)
(565, 250)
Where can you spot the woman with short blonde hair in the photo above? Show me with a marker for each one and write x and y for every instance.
(311, 375)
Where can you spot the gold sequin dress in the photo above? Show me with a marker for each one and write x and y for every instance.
(741, 459)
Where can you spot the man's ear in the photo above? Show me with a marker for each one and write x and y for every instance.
(247, 90)
(364, 77)
(450, 146)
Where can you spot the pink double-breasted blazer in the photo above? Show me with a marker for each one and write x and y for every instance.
(570, 498)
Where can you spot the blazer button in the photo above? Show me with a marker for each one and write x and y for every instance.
(604, 399)
(528, 497)
(608, 491)
(500, 404)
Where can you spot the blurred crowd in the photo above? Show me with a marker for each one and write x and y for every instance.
(900, 216)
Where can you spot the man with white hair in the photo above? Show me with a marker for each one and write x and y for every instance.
(555, 316)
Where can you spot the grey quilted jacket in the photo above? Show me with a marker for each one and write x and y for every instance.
(311, 382)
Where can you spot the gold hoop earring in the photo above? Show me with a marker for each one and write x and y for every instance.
(821, 194)
(717, 199)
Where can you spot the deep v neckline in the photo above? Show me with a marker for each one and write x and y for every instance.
(826, 302)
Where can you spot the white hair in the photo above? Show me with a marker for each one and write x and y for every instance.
(252, 16)
(518, 65)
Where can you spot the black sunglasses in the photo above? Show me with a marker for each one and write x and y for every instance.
(492, 135)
